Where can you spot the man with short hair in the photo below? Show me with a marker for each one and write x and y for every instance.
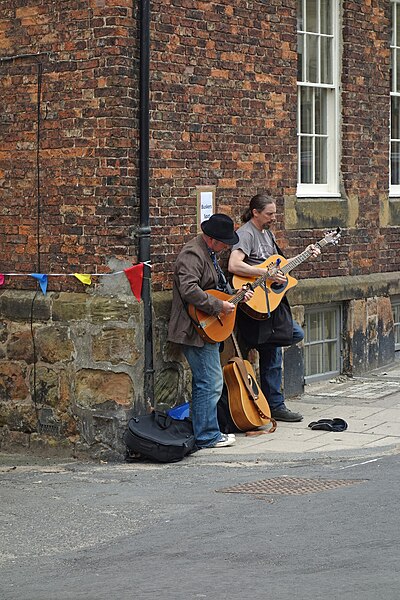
(197, 270)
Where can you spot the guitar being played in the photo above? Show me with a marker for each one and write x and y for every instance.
(196, 270)
(258, 259)
(274, 281)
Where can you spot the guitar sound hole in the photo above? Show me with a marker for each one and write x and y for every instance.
(278, 287)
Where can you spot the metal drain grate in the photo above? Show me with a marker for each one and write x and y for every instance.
(49, 428)
(290, 486)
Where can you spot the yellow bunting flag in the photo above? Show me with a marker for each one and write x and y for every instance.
(86, 279)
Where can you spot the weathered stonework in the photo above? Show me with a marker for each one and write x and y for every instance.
(95, 388)
(77, 370)
(115, 345)
(88, 375)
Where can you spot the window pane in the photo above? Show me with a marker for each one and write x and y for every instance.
(394, 163)
(326, 60)
(315, 362)
(311, 58)
(300, 57)
(330, 357)
(320, 160)
(300, 19)
(396, 331)
(306, 162)
(397, 70)
(396, 23)
(330, 325)
(394, 117)
(326, 17)
(306, 110)
(396, 321)
(311, 15)
(393, 71)
(314, 328)
(396, 313)
(321, 123)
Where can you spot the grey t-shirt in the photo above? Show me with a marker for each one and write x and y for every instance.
(257, 245)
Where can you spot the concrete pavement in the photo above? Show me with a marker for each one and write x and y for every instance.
(369, 404)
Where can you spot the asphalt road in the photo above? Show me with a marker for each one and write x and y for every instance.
(319, 529)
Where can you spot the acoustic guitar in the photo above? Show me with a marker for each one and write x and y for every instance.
(215, 328)
(248, 406)
(268, 294)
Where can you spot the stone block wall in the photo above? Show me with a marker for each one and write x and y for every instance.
(70, 368)
(71, 365)
(369, 332)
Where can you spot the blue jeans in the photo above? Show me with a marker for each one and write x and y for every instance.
(270, 361)
(207, 384)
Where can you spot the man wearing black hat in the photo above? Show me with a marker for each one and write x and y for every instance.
(196, 270)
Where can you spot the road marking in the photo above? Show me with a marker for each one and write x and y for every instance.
(361, 463)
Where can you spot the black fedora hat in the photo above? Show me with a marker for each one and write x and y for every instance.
(220, 227)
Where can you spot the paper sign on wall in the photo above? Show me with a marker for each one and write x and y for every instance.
(205, 204)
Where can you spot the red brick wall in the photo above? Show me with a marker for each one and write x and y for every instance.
(79, 209)
(224, 100)
(365, 127)
(223, 113)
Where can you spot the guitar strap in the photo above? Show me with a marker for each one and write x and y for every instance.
(264, 285)
(252, 389)
(266, 291)
(223, 284)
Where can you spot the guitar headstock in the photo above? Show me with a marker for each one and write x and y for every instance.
(332, 237)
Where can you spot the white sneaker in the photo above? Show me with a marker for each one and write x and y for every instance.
(231, 436)
(224, 441)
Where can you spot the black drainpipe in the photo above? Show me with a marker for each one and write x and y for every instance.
(144, 229)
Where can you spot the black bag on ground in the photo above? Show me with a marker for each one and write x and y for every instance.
(225, 420)
(159, 437)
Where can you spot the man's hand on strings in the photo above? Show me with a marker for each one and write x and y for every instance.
(315, 250)
(278, 277)
(227, 307)
(249, 293)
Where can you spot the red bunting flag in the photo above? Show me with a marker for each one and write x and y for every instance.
(135, 277)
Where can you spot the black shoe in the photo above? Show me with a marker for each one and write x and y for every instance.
(284, 414)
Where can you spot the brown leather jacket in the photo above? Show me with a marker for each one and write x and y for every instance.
(194, 272)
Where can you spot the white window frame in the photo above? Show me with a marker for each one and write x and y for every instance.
(339, 326)
(331, 188)
(394, 190)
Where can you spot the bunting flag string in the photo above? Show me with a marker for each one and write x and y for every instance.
(134, 275)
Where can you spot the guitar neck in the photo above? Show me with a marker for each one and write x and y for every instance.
(295, 262)
(237, 297)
